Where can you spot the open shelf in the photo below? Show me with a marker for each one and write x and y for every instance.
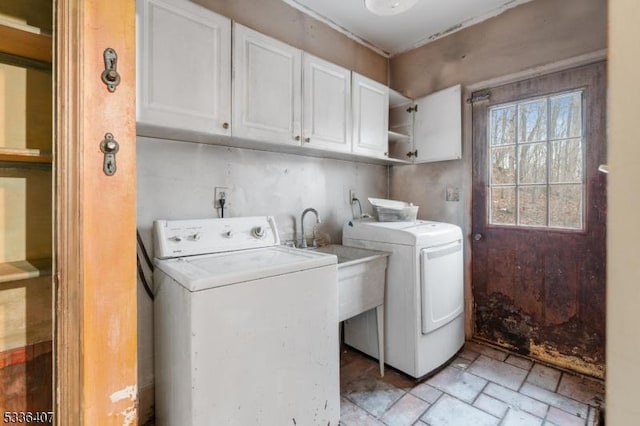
(398, 137)
(25, 155)
(25, 44)
(24, 269)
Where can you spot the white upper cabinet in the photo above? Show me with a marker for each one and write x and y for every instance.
(184, 66)
(266, 88)
(370, 105)
(326, 105)
(437, 126)
(428, 129)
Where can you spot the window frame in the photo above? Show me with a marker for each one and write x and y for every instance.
(547, 184)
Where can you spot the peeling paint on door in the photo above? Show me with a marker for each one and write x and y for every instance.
(126, 395)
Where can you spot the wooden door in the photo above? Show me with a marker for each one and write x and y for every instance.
(539, 214)
(95, 215)
(370, 103)
(267, 88)
(184, 72)
(326, 104)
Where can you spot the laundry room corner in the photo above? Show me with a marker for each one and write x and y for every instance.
(177, 180)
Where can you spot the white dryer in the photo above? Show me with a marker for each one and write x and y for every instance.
(424, 299)
(246, 330)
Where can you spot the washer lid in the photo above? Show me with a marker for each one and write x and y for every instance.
(418, 233)
(197, 273)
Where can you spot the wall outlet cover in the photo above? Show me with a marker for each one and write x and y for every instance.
(453, 193)
(221, 192)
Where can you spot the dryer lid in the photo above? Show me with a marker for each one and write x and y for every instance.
(417, 233)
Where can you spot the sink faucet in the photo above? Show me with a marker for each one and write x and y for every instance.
(314, 211)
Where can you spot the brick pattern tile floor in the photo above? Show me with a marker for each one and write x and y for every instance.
(481, 386)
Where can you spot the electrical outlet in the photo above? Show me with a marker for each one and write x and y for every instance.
(352, 196)
(221, 192)
(452, 193)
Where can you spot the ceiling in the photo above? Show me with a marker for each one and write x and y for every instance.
(428, 20)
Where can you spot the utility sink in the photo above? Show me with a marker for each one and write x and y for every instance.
(361, 278)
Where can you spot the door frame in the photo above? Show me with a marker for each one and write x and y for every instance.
(95, 335)
(467, 141)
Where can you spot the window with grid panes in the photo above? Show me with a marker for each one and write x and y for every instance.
(536, 162)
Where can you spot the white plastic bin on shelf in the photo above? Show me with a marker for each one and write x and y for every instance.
(393, 211)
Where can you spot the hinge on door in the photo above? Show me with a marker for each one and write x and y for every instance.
(479, 97)
(413, 108)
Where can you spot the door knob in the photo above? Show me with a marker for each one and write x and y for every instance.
(477, 237)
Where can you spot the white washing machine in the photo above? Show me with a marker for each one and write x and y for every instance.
(246, 330)
(424, 298)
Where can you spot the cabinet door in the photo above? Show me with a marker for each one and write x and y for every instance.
(437, 131)
(326, 104)
(184, 66)
(266, 88)
(370, 116)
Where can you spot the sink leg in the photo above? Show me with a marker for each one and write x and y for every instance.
(380, 321)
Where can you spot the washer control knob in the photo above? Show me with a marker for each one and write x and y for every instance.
(258, 232)
(176, 238)
(228, 234)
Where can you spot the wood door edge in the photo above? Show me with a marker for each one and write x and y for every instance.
(68, 226)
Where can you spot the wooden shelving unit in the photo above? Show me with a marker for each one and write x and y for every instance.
(28, 48)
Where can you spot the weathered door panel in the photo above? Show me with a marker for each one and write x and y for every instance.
(541, 291)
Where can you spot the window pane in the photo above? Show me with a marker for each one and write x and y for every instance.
(503, 126)
(565, 206)
(532, 163)
(532, 121)
(503, 206)
(536, 153)
(566, 161)
(532, 205)
(503, 165)
(566, 116)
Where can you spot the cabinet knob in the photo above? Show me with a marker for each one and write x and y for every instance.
(225, 125)
(297, 138)
(307, 140)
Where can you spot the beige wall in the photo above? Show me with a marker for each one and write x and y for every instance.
(534, 34)
(623, 262)
(277, 19)
(530, 39)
